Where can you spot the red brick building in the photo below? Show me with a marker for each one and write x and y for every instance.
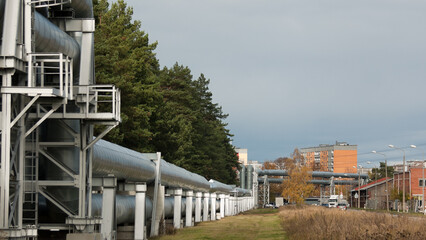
(414, 182)
(417, 183)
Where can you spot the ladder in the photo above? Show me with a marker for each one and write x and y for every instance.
(30, 202)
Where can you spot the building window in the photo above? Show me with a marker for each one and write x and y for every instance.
(421, 182)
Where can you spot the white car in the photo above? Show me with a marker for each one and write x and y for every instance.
(342, 206)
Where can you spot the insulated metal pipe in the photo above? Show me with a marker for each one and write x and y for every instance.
(11, 14)
(216, 186)
(241, 192)
(109, 158)
(50, 38)
(243, 176)
(249, 177)
(1, 17)
(313, 181)
(270, 172)
(124, 208)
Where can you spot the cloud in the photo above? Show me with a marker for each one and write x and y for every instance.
(300, 73)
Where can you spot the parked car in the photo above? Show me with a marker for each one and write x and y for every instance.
(270, 205)
(342, 206)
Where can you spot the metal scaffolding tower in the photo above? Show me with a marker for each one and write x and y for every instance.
(46, 66)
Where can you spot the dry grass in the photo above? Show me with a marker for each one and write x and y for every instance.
(257, 224)
(322, 223)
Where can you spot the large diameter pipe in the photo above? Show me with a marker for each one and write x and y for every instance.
(124, 208)
(11, 16)
(243, 176)
(174, 176)
(109, 158)
(50, 38)
(241, 192)
(249, 177)
(218, 187)
(274, 172)
(1, 17)
(313, 181)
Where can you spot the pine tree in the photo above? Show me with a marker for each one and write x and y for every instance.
(163, 110)
(124, 57)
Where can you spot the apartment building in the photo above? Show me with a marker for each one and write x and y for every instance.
(242, 155)
(340, 157)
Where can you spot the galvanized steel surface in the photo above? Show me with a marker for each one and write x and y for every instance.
(216, 186)
(249, 182)
(174, 176)
(275, 172)
(124, 208)
(123, 163)
(243, 176)
(50, 38)
(313, 181)
(242, 192)
(109, 158)
(1, 16)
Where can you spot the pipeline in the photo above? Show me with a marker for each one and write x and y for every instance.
(50, 38)
(110, 158)
(313, 181)
(240, 192)
(125, 207)
(1, 17)
(275, 172)
(216, 186)
(249, 182)
(243, 176)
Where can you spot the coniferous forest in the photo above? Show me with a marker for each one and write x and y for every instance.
(163, 110)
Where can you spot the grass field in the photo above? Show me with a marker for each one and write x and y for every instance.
(254, 224)
(307, 222)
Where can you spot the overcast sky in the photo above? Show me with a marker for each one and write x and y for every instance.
(298, 73)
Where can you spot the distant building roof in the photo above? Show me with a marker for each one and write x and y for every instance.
(373, 184)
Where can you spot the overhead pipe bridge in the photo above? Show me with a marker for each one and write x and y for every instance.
(275, 172)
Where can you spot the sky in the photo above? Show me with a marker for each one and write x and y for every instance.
(297, 73)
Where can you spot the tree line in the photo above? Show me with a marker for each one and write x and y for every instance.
(165, 109)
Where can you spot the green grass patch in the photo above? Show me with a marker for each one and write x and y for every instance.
(254, 224)
(262, 211)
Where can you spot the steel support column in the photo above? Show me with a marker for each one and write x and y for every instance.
(213, 206)
(188, 209)
(108, 208)
(198, 197)
(140, 199)
(177, 207)
(222, 205)
(206, 207)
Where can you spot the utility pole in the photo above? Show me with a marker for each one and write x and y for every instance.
(423, 178)
(403, 176)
